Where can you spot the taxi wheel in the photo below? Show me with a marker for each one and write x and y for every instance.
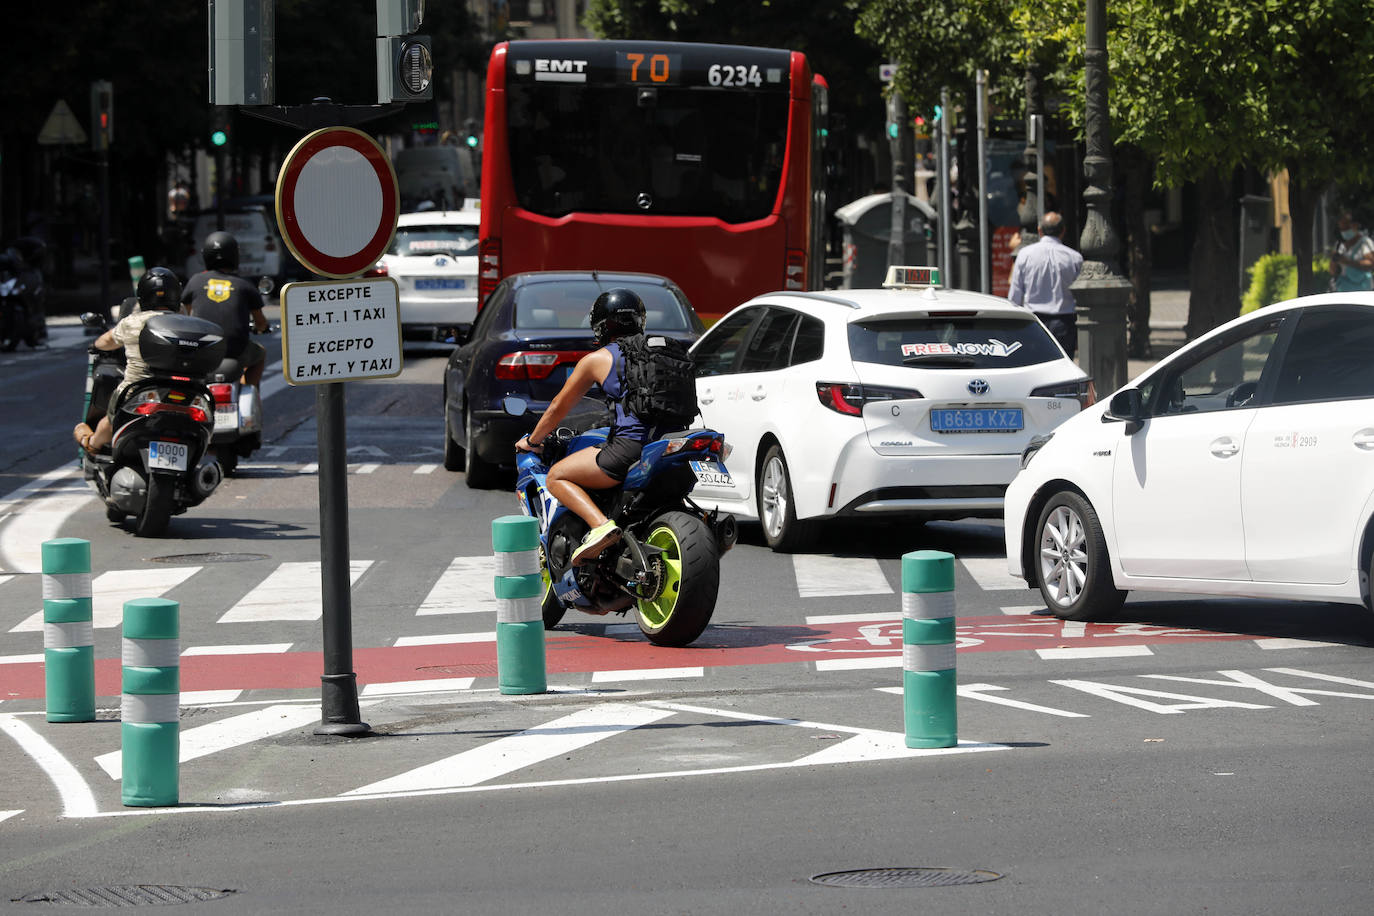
(783, 531)
(1072, 567)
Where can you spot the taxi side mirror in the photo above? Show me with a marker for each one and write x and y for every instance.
(1126, 406)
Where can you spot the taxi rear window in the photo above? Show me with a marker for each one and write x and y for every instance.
(964, 342)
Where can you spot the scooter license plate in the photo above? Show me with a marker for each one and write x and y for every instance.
(170, 456)
(226, 417)
(708, 472)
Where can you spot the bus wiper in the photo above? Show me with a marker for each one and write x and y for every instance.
(947, 360)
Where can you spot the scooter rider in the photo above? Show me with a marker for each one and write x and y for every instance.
(220, 295)
(159, 291)
(616, 313)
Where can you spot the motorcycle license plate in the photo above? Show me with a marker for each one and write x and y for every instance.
(171, 456)
(708, 472)
(226, 417)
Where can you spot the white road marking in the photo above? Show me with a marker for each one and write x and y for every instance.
(209, 697)
(1094, 652)
(427, 469)
(506, 755)
(856, 664)
(310, 468)
(21, 541)
(228, 733)
(404, 688)
(822, 576)
(364, 468)
(1284, 643)
(466, 587)
(444, 639)
(991, 573)
(1134, 696)
(77, 800)
(646, 674)
(978, 691)
(6, 815)
(110, 590)
(21, 659)
(854, 618)
(1333, 678)
(1024, 610)
(4, 579)
(290, 592)
(269, 648)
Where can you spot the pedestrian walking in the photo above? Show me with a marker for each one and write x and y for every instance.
(1352, 263)
(1040, 280)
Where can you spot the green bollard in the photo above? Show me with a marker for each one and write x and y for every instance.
(520, 665)
(928, 681)
(150, 736)
(68, 637)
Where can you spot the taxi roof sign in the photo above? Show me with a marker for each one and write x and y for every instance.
(903, 277)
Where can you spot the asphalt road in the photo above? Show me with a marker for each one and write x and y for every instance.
(1195, 755)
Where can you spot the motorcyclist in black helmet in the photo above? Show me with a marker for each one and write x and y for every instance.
(220, 295)
(616, 313)
(159, 291)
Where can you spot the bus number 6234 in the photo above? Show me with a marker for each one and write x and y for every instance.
(736, 75)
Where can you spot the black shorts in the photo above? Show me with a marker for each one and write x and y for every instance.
(615, 457)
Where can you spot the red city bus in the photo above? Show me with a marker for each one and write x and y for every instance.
(688, 160)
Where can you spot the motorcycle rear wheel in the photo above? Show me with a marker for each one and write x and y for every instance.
(157, 508)
(691, 576)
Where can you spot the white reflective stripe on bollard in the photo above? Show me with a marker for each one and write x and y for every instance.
(76, 635)
(927, 605)
(150, 708)
(519, 610)
(517, 563)
(67, 585)
(939, 657)
(151, 653)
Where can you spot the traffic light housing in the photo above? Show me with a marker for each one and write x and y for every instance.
(102, 114)
(472, 139)
(405, 63)
(220, 127)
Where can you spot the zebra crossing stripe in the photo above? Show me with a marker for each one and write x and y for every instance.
(290, 592)
(225, 734)
(823, 576)
(991, 573)
(110, 590)
(463, 588)
(506, 755)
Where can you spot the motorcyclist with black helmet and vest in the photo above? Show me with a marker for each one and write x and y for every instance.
(616, 313)
(220, 295)
(159, 291)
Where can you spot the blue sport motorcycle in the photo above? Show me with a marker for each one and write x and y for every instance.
(666, 565)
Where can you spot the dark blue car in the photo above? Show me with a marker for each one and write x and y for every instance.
(527, 337)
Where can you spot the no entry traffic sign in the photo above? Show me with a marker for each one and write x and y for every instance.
(337, 202)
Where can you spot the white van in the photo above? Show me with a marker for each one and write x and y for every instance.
(442, 176)
(260, 249)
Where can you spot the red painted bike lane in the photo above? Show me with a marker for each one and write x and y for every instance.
(575, 653)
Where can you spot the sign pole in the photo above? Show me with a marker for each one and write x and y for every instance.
(339, 712)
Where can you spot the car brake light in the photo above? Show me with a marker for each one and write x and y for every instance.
(377, 270)
(223, 394)
(534, 364)
(847, 398)
(1081, 390)
(488, 268)
(794, 272)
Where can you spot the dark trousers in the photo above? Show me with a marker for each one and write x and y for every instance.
(1064, 328)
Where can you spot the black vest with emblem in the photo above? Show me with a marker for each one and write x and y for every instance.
(228, 301)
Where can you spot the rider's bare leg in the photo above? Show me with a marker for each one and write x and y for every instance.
(569, 480)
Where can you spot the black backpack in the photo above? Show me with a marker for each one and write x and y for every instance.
(658, 381)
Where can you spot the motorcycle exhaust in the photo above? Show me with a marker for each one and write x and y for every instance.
(726, 531)
(129, 490)
(208, 476)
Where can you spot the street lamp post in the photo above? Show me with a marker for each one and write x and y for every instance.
(1100, 293)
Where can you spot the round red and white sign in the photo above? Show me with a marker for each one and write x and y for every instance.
(337, 202)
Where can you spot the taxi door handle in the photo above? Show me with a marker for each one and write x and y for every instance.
(1365, 439)
(706, 397)
(759, 393)
(1224, 447)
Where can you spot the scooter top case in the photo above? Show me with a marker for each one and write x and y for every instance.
(180, 345)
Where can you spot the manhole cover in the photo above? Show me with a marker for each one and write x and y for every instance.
(905, 877)
(126, 895)
(211, 557)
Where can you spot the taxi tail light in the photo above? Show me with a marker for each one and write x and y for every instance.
(849, 399)
(794, 269)
(488, 268)
(1082, 390)
(376, 270)
(534, 364)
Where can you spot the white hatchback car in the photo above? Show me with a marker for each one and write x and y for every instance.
(433, 260)
(1243, 464)
(910, 400)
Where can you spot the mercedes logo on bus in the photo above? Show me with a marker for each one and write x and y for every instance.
(645, 200)
(978, 387)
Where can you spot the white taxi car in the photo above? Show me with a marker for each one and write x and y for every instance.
(910, 399)
(433, 259)
(1242, 464)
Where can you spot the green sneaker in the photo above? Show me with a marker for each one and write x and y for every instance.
(597, 540)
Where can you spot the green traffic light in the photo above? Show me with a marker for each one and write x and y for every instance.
(219, 138)
(472, 141)
(892, 130)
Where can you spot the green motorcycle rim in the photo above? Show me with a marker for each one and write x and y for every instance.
(658, 612)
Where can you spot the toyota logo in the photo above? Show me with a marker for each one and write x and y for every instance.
(441, 262)
(978, 387)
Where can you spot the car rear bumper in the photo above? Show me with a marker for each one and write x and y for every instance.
(441, 313)
(865, 483)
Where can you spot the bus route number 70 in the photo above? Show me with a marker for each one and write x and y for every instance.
(736, 75)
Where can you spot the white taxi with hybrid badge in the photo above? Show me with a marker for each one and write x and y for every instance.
(433, 260)
(908, 400)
